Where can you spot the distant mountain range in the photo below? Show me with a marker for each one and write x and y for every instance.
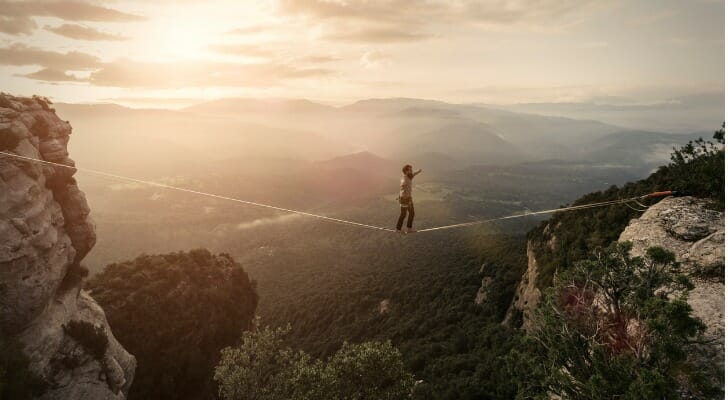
(431, 133)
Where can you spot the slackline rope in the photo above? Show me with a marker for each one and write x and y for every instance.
(323, 217)
(215, 196)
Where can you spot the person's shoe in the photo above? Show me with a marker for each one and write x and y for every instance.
(401, 232)
(410, 230)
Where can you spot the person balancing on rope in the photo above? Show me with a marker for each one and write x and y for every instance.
(406, 205)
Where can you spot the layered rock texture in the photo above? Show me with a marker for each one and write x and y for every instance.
(528, 294)
(686, 226)
(696, 234)
(46, 232)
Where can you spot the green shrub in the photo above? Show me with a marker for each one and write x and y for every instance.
(175, 312)
(696, 168)
(262, 368)
(614, 326)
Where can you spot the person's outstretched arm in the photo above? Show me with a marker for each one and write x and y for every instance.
(415, 174)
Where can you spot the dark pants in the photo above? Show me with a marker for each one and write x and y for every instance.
(404, 209)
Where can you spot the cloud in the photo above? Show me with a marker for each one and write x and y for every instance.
(377, 35)
(374, 59)
(81, 32)
(20, 55)
(17, 26)
(412, 20)
(249, 30)
(57, 67)
(244, 49)
(317, 59)
(52, 75)
(267, 221)
(598, 44)
(376, 10)
(134, 74)
(16, 17)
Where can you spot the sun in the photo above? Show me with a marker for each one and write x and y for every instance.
(184, 37)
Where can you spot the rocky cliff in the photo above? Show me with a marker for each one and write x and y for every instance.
(528, 293)
(686, 226)
(46, 232)
(696, 234)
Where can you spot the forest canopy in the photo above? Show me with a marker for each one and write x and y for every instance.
(175, 312)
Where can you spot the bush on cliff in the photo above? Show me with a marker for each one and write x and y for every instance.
(614, 326)
(174, 312)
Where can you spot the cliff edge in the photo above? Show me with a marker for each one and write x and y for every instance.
(686, 226)
(46, 232)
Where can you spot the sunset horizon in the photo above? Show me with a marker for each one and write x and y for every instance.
(362, 199)
(340, 52)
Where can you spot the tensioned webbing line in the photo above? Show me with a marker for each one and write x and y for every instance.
(197, 192)
(322, 217)
(554, 210)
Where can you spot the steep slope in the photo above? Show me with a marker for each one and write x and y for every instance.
(46, 231)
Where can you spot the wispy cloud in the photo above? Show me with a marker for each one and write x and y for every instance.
(374, 59)
(58, 66)
(249, 30)
(17, 17)
(135, 74)
(21, 55)
(80, 32)
(598, 44)
(17, 26)
(375, 35)
(317, 59)
(267, 221)
(52, 75)
(413, 20)
(245, 49)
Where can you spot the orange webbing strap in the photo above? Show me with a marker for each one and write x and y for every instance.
(660, 194)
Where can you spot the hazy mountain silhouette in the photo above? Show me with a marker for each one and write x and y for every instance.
(432, 134)
(241, 105)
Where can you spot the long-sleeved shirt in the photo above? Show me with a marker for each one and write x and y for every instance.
(405, 186)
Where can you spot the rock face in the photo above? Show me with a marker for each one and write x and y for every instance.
(46, 232)
(696, 234)
(485, 286)
(685, 226)
(528, 295)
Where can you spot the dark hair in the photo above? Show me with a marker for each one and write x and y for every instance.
(404, 169)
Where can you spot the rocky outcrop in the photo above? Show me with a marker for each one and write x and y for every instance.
(46, 232)
(485, 286)
(685, 226)
(693, 231)
(528, 294)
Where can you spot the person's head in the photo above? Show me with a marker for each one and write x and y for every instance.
(407, 169)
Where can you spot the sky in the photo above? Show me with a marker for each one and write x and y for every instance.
(165, 52)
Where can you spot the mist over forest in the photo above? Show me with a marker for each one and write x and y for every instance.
(479, 162)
